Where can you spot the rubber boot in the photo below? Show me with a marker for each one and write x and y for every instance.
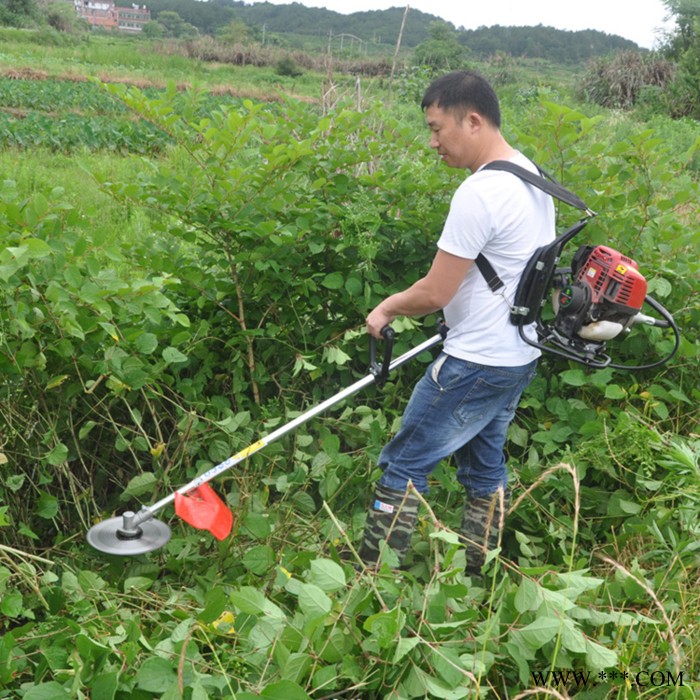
(482, 523)
(390, 522)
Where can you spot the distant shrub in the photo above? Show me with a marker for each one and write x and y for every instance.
(619, 81)
(501, 69)
(287, 66)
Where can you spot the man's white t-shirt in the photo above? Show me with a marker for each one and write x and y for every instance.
(495, 213)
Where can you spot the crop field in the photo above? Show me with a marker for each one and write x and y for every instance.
(189, 252)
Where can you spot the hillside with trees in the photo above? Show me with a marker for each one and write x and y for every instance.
(548, 43)
(378, 30)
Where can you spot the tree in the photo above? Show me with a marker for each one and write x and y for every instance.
(175, 26)
(442, 49)
(61, 16)
(683, 47)
(153, 30)
(17, 13)
(235, 32)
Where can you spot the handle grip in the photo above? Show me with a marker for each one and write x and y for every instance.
(381, 371)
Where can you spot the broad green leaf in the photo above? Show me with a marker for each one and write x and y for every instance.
(47, 506)
(257, 525)
(143, 483)
(110, 329)
(618, 505)
(578, 582)
(334, 647)
(181, 319)
(435, 688)
(517, 435)
(660, 287)
(335, 356)
(146, 343)
(139, 583)
(215, 602)
(105, 686)
(572, 638)
(91, 582)
(385, 626)
(57, 455)
(259, 559)
(47, 691)
(156, 675)
(521, 654)
(446, 663)
(56, 381)
(445, 536)
(11, 604)
(15, 482)
(598, 656)
(304, 502)
(249, 600)
(252, 601)
(573, 377)
(37, 248)
(405, 645)
(538, 633)
(173, 356)
(296, 667)
(88, 648)
(284, 690)
(353, 286)
(614, 391)
(199, 692)
(556, 601)
(333, 281)
(528, 596)
(327, 575)
(5, 575)
(313, 601)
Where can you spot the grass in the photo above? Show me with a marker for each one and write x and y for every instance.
(146, 63)
(37, 171)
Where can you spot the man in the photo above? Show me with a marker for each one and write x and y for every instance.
(467, 398)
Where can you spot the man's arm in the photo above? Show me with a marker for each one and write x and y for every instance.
(429, 294)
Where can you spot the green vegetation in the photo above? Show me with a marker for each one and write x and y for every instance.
(174, 291)
(543, 42)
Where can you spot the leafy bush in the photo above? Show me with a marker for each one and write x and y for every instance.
(130, 368)
(441, 50)
(288, 67)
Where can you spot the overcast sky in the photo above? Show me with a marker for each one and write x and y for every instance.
(638, 20)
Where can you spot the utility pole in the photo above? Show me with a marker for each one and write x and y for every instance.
(396, 52)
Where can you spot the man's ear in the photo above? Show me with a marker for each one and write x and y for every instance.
(474, 120)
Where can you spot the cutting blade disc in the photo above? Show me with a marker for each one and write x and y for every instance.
(105, 537)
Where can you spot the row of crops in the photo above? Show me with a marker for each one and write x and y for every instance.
(67, 116)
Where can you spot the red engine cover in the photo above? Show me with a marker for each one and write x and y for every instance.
(613, 277)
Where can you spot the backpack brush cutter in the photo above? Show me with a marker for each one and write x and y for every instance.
(597, 299)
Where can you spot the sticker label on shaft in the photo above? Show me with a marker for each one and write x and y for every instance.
(249, 450)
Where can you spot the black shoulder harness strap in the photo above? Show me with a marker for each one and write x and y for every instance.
(547, 184)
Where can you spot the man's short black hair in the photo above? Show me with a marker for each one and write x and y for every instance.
(461, 91)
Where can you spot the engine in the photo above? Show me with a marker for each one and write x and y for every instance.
(605, 293)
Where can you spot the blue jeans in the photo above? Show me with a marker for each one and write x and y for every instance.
(458, 408)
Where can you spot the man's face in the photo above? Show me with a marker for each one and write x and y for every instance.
(450, 137)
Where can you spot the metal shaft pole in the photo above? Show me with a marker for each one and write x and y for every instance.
(149, 511)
